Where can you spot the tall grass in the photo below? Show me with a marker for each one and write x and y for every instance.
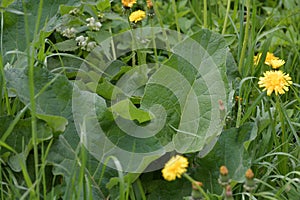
(276, 165)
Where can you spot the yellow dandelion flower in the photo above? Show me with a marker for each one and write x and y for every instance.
(276, 81)
(137, 16)
(270, 60)
(128, 3)
(175, 167)
(276, 63)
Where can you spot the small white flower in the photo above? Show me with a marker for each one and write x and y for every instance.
(93, 24)
(79, 39)
(82, 41)
(69, 32)
(75, 11)
(90, 46)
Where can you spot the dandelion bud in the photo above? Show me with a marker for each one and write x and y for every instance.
(224, 178)
(250, 183)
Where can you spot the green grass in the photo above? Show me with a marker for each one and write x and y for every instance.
(42, 157)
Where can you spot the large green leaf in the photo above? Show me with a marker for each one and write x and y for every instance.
(189, 87)
(104, 135)
(230, 151)
(181, 96)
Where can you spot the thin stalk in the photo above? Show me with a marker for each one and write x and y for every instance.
(159, 18)
(206, 197)
(154, 43)
(284, 138)
(30, 59)
(112, 45)
(44, 162)
(226, 17)
(204, 13)
(194, 13)
(176, 19)
(141, 55)
(1, 180)
(2, 75)
(235, 8)
(30, 55)
(140, 186)
(82, 171)
(3, 88)
(243, 52)
(1, 33)
(131, 195)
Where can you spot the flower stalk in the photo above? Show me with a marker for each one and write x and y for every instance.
(243, 52)
(197, 186)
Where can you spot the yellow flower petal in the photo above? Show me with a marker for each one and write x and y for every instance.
(276, 81)
(256, 59)
(137, 16)
(270, 60)
(276, 63)
(175, 167)
(128, 3)
(270, 57)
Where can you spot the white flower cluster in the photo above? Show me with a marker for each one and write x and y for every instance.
(84, 44)
(75, 11)
(69, 32)
(93, 24)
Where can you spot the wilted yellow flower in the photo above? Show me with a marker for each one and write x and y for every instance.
(276, 81)
(128, 3)
(175, 167)
(149, 3)
(137, 16)
(270, 60)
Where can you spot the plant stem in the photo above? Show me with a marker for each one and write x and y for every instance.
(226, 17)
(30, 56)
(204, 13)
(284, 139)
(154, 43)
(159, 18)
(2, 75)
(243, 52)
(140, 186)
(176, 19)
(198, 187)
